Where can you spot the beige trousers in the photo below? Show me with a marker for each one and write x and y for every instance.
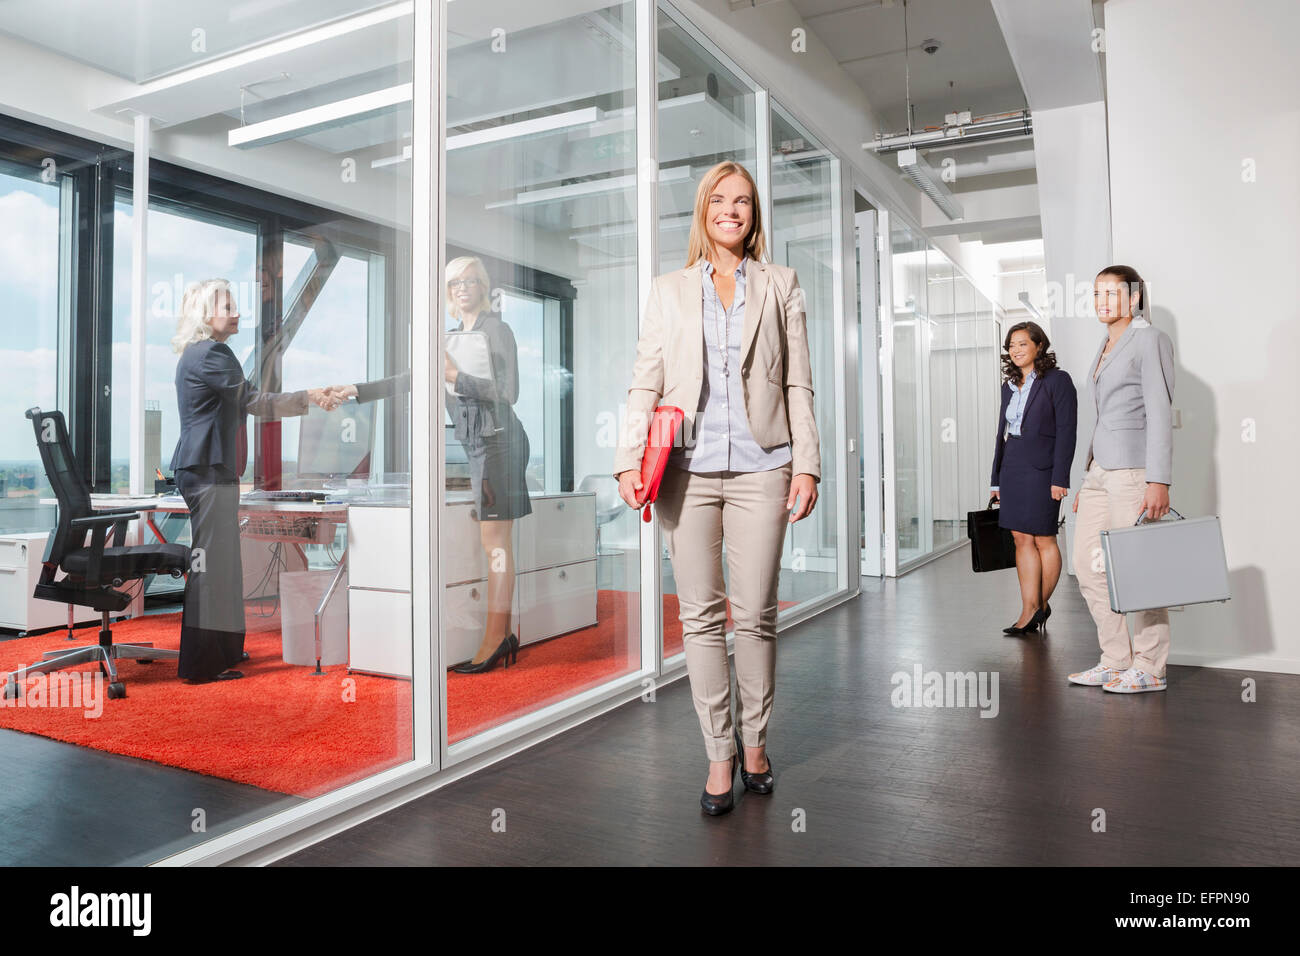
(747, 509)
(1113, 499)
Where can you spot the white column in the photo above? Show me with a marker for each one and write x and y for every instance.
(140, 482)
(647, 225)
(427, 454)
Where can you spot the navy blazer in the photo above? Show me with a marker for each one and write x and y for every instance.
(213, 399)
(1047, 427)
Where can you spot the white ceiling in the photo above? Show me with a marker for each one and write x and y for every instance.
(141, 40)
(866, 38)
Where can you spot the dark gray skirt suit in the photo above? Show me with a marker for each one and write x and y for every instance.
(485, 423)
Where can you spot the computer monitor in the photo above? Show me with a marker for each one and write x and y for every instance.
(337, 444)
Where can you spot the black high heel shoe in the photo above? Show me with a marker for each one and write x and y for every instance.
(1030, 626)
(507, 651)
(716, 803)
(755, 782)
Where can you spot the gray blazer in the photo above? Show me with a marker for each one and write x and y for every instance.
(1134, 399)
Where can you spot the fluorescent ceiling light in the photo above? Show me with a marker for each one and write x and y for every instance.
(1024, 300)
(529, 127)
(392, 160)
(923, 175)
(327, 116)
(593, 187)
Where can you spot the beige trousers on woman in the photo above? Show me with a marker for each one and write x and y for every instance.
(1112, 498)
(697, 512)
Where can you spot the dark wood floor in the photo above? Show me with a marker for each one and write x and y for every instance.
(64, 805)
(1189, 776)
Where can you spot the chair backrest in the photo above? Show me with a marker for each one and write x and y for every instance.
(609, 505)
(64, 477)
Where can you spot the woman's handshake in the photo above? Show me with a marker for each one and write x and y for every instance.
(332, 396)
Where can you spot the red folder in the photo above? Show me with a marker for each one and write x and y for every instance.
(664, 426)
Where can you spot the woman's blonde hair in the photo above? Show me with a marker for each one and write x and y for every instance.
(700, 246)
(458, 267)
(198, 305)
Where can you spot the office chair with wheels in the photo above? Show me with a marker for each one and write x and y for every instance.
(93, 572)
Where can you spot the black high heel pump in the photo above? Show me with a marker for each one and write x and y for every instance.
(755, 782)
(716, 803)
(507, 652)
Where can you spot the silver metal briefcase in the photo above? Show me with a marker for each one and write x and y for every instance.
(1165, 563)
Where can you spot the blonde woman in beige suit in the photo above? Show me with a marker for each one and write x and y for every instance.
(724, 339)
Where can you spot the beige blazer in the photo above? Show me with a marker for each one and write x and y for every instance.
(775, 367)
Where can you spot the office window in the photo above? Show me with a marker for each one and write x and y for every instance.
(30, 287)
(185, 246)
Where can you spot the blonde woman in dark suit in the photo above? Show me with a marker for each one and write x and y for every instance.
(724, 339)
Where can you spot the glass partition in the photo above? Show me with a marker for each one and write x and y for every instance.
(705, 115)
(938, 345)
(945, 393)
(540, 555)
(911, 435)
(200, 313)
(804, 214)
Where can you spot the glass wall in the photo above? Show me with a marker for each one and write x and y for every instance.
(945, 396)
(293, 172)
(912, 535)
(805, 236)
(706, 114)
(238, 273)
(541, 561)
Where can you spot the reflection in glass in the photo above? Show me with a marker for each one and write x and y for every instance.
(541, 191)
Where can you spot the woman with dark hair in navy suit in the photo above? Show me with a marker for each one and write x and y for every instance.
(1031, 464)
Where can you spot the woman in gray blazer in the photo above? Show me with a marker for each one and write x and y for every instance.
(724, 339)
(1129, 470)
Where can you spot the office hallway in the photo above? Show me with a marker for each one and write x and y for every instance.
(1191, 776)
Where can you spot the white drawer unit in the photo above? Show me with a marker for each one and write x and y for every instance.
(464, 611)
(556, 600)
(560, 530)
(555, 578)
(462, 548)
(379, 590)
(379, 632)
(379, 547)
(20, 569)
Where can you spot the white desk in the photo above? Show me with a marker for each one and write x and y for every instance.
(296, 523)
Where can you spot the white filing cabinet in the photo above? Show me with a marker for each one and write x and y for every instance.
(555, 571)
(379, 589)
(20, 569)
(555, 578)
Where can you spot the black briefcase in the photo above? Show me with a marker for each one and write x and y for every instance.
(991, 548)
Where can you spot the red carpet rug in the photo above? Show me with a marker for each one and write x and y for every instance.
(281, 729)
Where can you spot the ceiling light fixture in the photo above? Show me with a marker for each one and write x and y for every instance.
(327, 116)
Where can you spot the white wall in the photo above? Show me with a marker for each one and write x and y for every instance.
(1074, 197)
(1197, 89)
